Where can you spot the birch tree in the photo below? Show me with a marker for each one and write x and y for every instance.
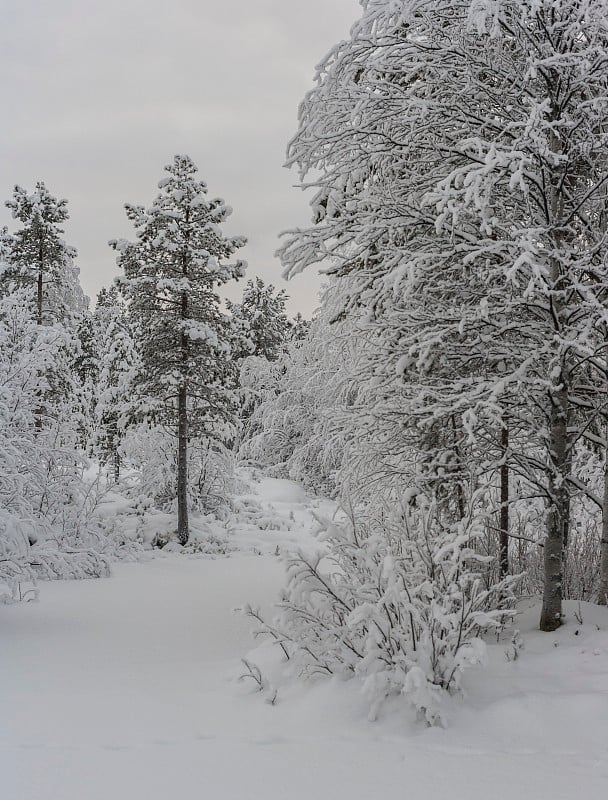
(458, 156)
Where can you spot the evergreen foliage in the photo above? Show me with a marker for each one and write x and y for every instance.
(171, 274)
(39, 258)
(259, 321)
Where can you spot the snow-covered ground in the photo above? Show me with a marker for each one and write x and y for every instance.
(126, 688)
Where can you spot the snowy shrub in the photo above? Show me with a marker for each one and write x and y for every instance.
(207, 541)
(401, 603)
(151, 452)
(71, 542)
(210, 474)
(15, 557)
(581, 565)
(53, 563)
(45, 504)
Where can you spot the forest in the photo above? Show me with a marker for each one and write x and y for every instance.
(437, 432)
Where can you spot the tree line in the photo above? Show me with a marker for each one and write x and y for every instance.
(147, 381)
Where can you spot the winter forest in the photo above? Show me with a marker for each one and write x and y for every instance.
(348, 553)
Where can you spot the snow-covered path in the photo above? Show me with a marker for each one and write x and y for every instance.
(124, 689)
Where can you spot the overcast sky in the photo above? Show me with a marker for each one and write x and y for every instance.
(98, 95)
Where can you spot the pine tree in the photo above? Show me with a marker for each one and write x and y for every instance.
(171, 273)
(299, 328)
(108, 306)
(259, 320)
(39, 257)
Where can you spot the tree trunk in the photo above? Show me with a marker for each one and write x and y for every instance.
(602, 595)
(558, 467)
(183, 532)
(459, 489)
(39, 411)
(551, 615)
(504, 502)
(39, 297)
(116, 464)
(182, 465)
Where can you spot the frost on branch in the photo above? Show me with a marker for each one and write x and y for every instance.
(457, 154)
(401, 603)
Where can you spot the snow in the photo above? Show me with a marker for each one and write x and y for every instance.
(126, 687)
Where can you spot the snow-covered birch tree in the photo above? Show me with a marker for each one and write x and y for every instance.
(458, 154)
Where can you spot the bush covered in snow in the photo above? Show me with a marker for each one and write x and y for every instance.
(15, 557)
(149, 450)
(400, 601)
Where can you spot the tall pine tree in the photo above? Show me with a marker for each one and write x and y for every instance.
(171, 273)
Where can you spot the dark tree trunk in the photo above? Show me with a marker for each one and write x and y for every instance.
(183, 532)
(182, 465)
(116, 464)
(39, 297)
(39, 412)
(558, 466)
(602, 595)
(557, 517)
(503, 542)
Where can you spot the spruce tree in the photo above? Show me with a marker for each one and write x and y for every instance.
(171, 273)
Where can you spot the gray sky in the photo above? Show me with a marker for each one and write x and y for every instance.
(98, 95)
